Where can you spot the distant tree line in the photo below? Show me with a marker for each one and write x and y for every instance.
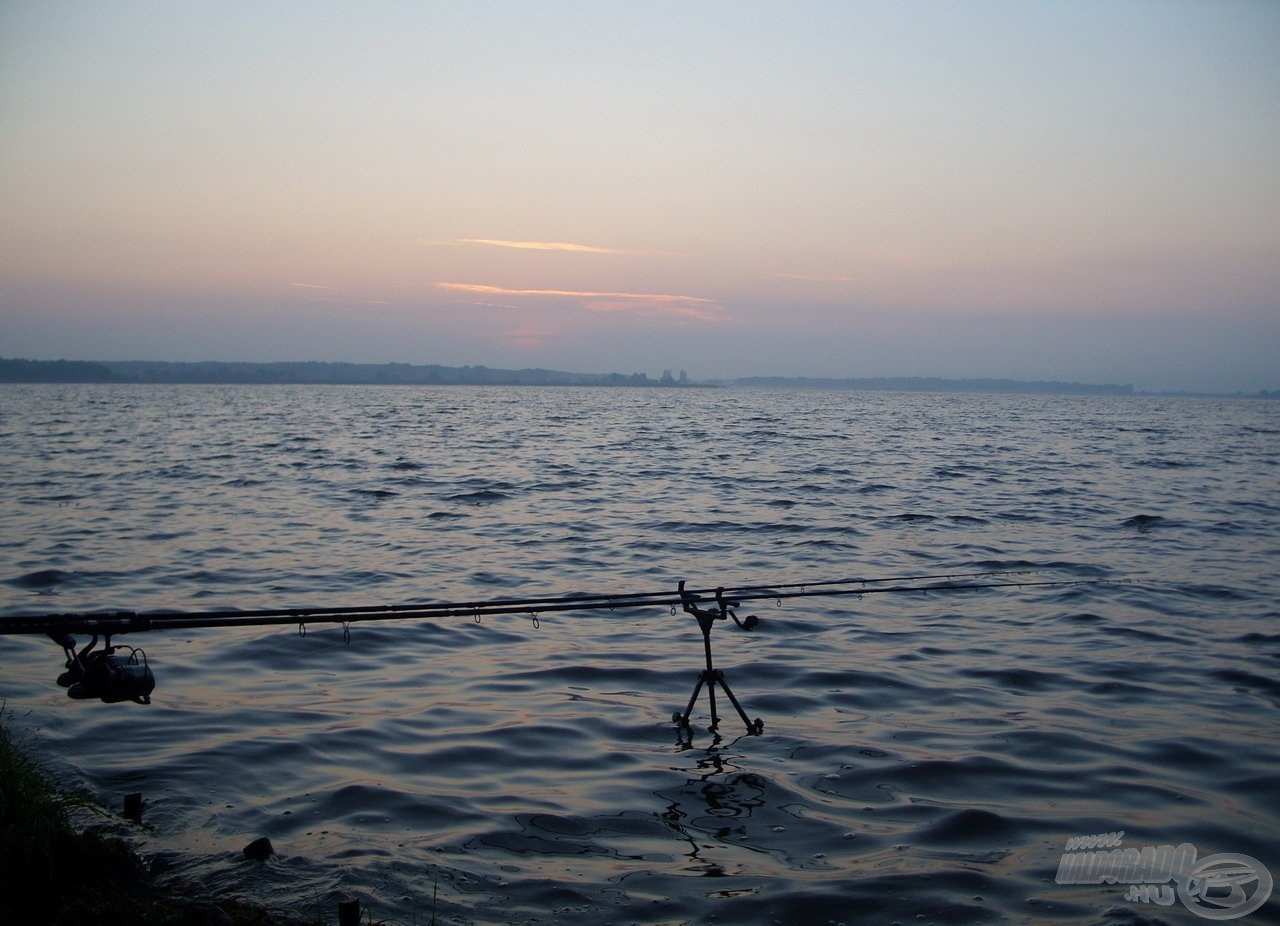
(55, 371)
(936, 384)
(305, 373)
(18, 370)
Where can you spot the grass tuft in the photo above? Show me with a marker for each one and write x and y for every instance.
(54, 874)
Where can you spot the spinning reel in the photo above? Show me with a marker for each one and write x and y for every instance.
(105, 673)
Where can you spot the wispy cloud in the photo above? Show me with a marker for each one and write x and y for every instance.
(525, 337)
(334, 294)
(571, 247)
(812, 279)
(542, 246)
(648, 304)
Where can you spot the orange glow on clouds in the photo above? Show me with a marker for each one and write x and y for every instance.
(571, 247)
(542, 246)
(526, 337)
(645, 304)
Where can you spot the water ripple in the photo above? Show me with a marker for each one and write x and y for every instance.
(924, 757)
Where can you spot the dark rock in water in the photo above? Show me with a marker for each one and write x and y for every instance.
(133, 804)
(259, 850)
(349, 911)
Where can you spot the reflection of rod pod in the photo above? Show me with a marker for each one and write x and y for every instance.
(711, 676)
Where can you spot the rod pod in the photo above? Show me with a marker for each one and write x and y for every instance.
(711, 676)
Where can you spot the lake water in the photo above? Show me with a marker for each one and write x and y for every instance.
(925, 758)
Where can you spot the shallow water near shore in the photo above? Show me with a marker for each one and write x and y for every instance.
(925, 758)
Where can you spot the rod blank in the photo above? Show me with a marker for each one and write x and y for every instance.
(111, 623)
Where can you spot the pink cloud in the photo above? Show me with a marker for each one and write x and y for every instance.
(644, 304)
(541, 245)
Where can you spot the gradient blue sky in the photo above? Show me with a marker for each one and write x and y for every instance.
(1063, 190)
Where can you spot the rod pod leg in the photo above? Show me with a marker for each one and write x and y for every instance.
(711, 678)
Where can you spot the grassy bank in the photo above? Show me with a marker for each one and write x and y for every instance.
(55, 872)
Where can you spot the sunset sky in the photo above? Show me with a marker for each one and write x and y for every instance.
(1062, 189)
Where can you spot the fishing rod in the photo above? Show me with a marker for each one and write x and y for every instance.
(118, 622)
(118, 672)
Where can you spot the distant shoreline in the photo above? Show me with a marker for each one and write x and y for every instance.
(322, 373)
(934, 384)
